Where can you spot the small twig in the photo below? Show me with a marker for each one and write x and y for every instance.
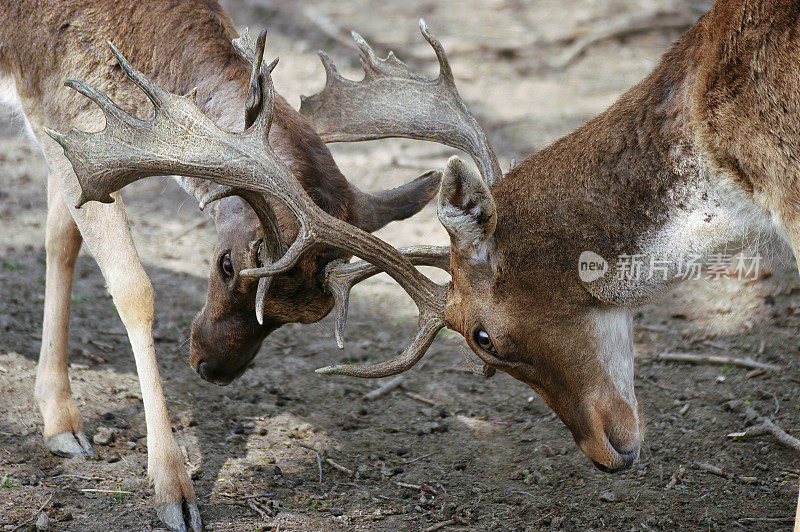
(418, 458)
(238, 496)
(79, 477)
(754, 373)
(265, 515)
(675, 478)
(764, 426)
(418, 487)
(35, 514)
(384, 388)
(119, 515)
(648, 380)
(767, 519)
(339, 467)
(439, 526)
(542, 518)
(319, 458)
(102, 490)
(420, 398)
(628, 25)
(714, 470)
(193, 227)
(327, 26)
(715, 359)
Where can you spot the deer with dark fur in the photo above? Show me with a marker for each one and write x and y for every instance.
(183, 45)
(701, 154)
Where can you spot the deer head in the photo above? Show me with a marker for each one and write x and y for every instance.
(227, 333)
(519, 311)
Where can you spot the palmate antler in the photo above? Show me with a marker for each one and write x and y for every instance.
(181, 140)
(393, 101)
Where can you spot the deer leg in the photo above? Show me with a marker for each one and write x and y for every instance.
(63, 429)
(797, 516)
(108, 237)
(105, 232)
(790, 219)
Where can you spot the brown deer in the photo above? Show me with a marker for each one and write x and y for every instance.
(181, 44)
(702, 153)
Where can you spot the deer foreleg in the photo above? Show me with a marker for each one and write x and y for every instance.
(112, 246)
(105, 231)
(63, 429)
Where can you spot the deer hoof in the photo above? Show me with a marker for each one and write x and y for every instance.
(69, 444)
(180, 516)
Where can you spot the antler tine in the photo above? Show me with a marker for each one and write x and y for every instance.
(273, 246)
(393, 101)
(445, 72)
(427, 328)
(341, 277)
(181, 140)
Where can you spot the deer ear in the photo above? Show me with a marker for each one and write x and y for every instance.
(466, 206)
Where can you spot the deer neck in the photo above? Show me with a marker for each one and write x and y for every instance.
(633, 188)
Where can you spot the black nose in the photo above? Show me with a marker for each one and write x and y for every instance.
(208, 374)
(628, 459)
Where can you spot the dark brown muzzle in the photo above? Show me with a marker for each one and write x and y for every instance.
(220, 351)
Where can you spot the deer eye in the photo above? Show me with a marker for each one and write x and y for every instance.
(226, 266)
(484, 341)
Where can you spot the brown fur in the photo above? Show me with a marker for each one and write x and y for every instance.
(722, 108)
(181, 45)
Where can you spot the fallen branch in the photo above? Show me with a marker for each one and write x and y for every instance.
(264, 513)
(615, 29)
(763, 426)
(714, 359)
(385, 388)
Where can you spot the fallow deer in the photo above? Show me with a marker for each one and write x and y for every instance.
(702, 153)
(182, 44)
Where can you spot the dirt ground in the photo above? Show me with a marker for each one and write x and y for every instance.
(488, 454)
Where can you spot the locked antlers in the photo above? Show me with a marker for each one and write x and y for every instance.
(181, 140)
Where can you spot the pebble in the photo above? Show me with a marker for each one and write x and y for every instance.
(42, 522)
(104, 436)
(608, 496)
